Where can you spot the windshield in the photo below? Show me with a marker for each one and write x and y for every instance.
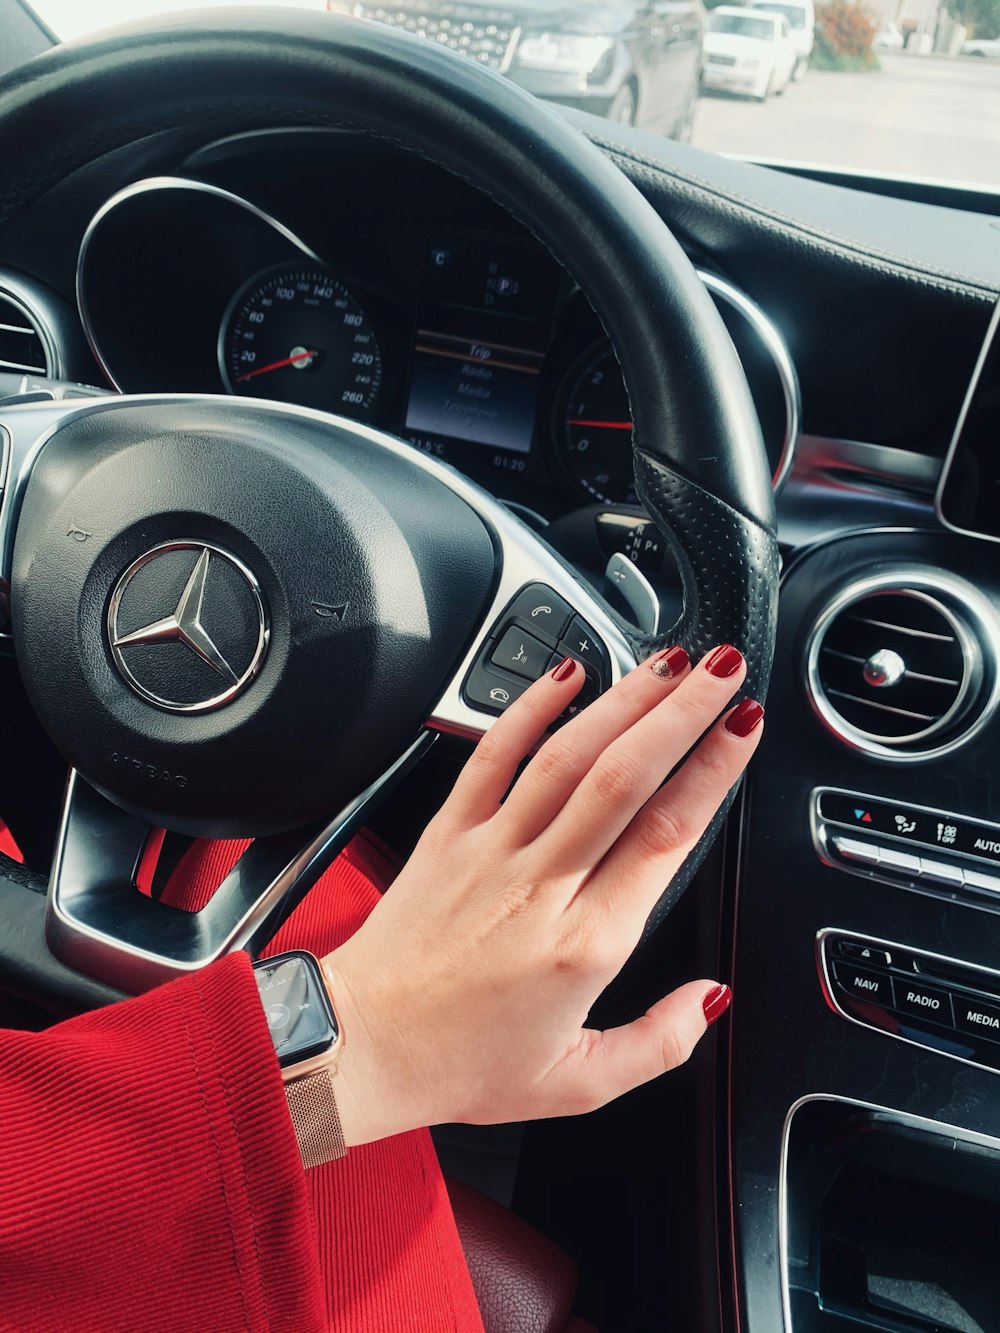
(739, 25)
(895, 87)
(795, 14)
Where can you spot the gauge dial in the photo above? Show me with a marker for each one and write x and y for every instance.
(593, 428)
(299, 335)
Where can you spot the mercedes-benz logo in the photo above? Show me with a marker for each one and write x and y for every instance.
(187, 626)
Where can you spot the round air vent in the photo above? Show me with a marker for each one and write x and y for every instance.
(25, 343)
(896, 664)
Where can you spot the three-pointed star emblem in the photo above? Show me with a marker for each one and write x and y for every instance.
(185, 624)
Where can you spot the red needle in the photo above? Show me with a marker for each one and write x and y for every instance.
(605, 425)
(275, 365)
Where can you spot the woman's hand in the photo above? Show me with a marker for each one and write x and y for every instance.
(463, 996)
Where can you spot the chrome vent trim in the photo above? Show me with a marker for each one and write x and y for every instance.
(946, 634)
(27, 346)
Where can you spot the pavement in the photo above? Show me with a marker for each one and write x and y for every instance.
(930, 116)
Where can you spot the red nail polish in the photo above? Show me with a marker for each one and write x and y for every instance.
(724, 662)
(670, 663)
(716, 1002)
(564, 670)
(744, 718)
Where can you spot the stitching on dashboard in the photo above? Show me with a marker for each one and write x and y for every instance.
(804, 233)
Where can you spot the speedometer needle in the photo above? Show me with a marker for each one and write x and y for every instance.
(605, 425)
(274, 365)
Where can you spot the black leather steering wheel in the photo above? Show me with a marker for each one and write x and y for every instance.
(312, 513)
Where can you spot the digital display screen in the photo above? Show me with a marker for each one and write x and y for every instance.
(970, 492)
(482, 330)
(298, 1015)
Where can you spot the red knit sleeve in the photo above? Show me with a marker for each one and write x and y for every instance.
(149, 1177)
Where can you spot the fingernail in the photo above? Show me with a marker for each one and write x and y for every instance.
(725, 661)
(670, 663)
(716, 1002)
(744, 718)
(564, 670)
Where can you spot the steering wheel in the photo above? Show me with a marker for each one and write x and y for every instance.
(236, 618)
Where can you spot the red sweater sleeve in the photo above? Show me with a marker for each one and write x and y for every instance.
(149, 1176)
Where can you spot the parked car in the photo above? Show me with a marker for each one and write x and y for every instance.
(887, 37)
(801, 16)
(637, 62)
(982, 46)
(748, 53)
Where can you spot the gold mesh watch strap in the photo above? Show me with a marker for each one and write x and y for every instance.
(314, 1114)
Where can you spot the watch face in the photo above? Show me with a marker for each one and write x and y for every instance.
(296, 1006)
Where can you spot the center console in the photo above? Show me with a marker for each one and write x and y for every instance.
(865, 1044)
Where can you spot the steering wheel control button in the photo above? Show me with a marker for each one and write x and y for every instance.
(187, 627)
(862, 984)
(931, 1004)
(541, 608)
(493, 691)
(521, 653)
(582, 643)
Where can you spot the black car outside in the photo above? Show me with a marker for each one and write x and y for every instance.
(633, 61)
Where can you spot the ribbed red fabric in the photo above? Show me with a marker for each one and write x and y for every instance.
(151, 1181)
(389, 1251)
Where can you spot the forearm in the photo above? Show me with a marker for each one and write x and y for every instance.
(150, 1170)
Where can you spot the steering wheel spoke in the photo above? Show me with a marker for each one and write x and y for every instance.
(99, 923)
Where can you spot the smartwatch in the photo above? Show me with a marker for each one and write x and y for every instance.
(307, 1041)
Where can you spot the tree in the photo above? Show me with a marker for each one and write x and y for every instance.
(981, 17)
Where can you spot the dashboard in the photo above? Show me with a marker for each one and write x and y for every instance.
(346, 276)
(459, 334)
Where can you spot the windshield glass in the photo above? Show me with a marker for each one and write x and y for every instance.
(893, 87)
(795, 14)
(740, 25)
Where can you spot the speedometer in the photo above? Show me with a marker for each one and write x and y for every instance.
(299, 335)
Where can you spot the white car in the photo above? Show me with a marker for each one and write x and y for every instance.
(982, 46)
(801, 16)
(887, 37)
(746, 52)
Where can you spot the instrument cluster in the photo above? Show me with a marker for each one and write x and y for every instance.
(468, 341)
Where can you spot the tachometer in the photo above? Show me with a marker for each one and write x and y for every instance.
(300, 335)
(593, 428)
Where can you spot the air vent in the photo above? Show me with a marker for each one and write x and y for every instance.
(22, 345)
(895, 663)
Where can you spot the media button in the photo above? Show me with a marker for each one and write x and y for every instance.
(973, 1016)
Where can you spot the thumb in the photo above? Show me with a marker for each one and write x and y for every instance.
(607, 1064)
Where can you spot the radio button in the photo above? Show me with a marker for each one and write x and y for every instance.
(928, 1002)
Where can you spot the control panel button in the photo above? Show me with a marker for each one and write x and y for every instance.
(864, 953)
(974, 1016)
(492, 690)
(541, 607)
(976, 879)
(581, 642)
(940, 872)
(931, 1004)
(859, 982)
(521, 653)
(852, 849)
(951, 833)
(900, 863)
